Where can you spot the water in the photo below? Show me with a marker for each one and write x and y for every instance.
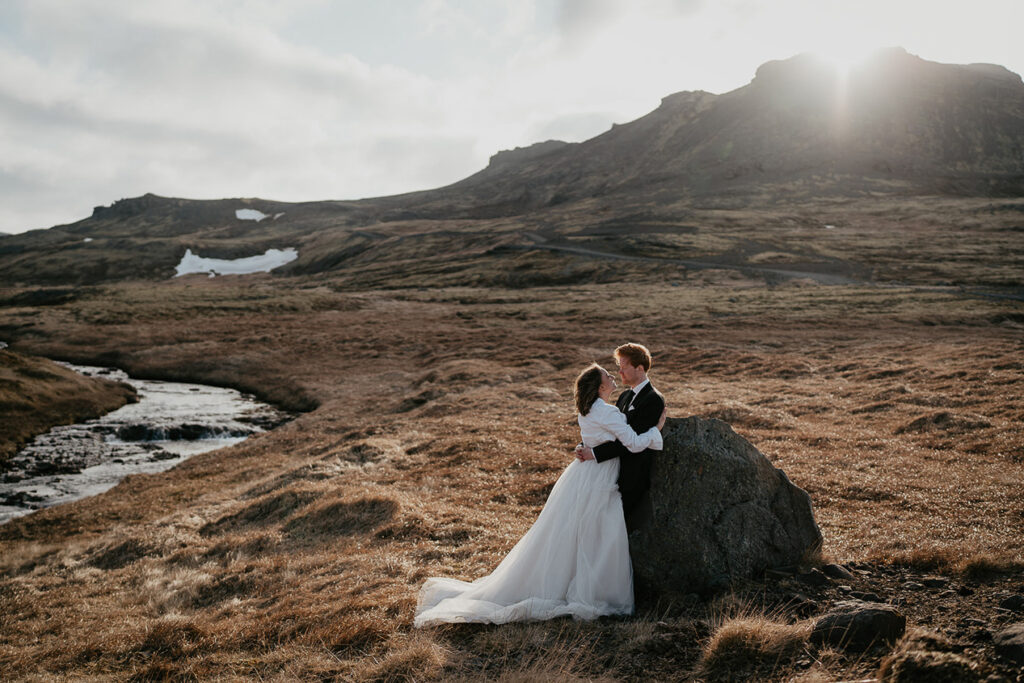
(170, 423)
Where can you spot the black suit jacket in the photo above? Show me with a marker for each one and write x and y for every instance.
(635, 469)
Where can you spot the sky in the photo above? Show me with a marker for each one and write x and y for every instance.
(344, 99)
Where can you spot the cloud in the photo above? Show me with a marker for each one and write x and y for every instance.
(311, 99)
(582, 16)
(116, 101)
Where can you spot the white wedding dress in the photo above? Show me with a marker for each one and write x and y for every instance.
(574, 560)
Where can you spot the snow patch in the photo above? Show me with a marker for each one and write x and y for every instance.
(250, 215)
(262, 263)
(278, 215)
(87, 239)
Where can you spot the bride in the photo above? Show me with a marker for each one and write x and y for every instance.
(574, 560)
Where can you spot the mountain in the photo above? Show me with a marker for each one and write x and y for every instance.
(801, 127)
(800, 133)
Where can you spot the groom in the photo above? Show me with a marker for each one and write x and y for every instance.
(642, 405)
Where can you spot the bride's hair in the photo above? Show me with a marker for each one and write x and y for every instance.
(587, 384)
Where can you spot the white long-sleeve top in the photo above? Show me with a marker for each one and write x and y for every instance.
(605, 422)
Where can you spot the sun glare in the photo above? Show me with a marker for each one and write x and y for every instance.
(844, 57)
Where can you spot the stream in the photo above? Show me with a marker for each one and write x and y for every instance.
(170, 423)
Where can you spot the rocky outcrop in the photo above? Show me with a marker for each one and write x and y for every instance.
(717, 510)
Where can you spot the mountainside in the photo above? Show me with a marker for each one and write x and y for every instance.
(897, 123)
(801, 137)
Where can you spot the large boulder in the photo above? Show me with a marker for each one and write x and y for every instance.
(717, 510)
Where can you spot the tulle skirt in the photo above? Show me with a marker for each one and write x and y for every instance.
(574, 561)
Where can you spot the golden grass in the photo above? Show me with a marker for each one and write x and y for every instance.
(443, 418)
(746, 642)
(926, 656)
(966, 559)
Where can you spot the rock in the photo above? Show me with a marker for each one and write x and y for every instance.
(866, 596)
(935, 581)
(814, 577)
(717, 507)
(856, 625)
(1014, 603)
(981, 635)
(1009, 642)
(800, 605)
(837, 571)
(913, 585)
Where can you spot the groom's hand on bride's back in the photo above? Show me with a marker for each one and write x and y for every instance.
(583, 452)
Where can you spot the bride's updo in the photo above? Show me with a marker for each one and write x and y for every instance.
(588, 383)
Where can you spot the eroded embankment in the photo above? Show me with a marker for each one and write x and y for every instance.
(37, 394)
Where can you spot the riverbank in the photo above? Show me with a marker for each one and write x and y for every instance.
(37, 394)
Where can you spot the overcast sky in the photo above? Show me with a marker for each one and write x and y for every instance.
(342, 99)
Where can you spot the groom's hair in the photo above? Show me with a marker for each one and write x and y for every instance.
(636, 354)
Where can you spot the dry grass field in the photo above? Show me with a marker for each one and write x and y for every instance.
(436, 420)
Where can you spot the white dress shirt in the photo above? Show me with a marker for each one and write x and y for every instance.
(636, 392)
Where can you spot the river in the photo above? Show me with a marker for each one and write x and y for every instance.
(170, 423)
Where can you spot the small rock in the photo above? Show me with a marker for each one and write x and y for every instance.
(844, 588)
(801, 605)
(1009, 642)
(856, 625)
(836, 571)
(814, 577)
(935, 581)
(913, 585)
(1014, 603)
(981, 635)
(948, 594)
(866, 597)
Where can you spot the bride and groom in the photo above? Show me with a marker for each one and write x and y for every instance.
(574, 560)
